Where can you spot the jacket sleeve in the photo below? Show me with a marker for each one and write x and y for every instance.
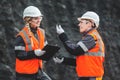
(20, 50)
(81, 47)
(69, 61)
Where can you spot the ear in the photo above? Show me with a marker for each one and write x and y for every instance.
(92, 24)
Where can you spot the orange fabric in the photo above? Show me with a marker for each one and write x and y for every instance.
(89, 65)
(30, 66)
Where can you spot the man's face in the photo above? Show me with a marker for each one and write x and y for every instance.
(85, 25)
(35, 22)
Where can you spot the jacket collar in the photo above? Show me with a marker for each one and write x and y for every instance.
(34, 30)
(85, 33)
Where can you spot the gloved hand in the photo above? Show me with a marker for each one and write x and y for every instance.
(39, 52)
(59, 29)
(58, 60)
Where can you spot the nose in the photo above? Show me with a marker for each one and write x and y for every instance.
(39, 19)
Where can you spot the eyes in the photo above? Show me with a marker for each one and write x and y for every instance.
(37, 18)
(84, 22)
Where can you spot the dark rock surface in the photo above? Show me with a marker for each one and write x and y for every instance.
(64, 12)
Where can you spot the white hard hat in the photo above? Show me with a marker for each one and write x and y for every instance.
(31, 11)
(92, 16)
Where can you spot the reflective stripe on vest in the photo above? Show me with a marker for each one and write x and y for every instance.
(28, 40)
(95, 54)
(91, 63)
(99, 53)
(30, 66)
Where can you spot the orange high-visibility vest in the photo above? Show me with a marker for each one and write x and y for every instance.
(31, 43)
(91, 63)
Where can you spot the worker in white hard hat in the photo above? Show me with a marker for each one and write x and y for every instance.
(89, 50)
(28, 47)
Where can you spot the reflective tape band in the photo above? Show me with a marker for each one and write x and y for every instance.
(82, 45)
(45, 43)
(99, 38)
(28, 40)
(95, 54)
(99, 53)
(20, 48)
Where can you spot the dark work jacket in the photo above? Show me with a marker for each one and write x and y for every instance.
(23, 55)
(76, 49)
